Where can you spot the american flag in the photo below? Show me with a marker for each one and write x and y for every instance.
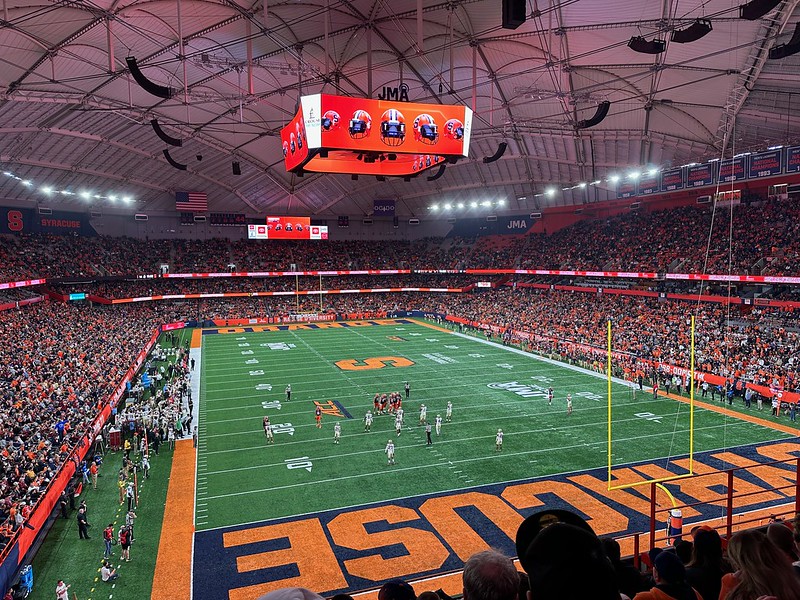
(191, 201)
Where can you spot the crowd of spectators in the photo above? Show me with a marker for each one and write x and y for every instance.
(762, 238)
(57, 363)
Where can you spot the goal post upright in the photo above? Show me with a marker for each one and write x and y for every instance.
(661, 480)
(608, 377)
(691, 401)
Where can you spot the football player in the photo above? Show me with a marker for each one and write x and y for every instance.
(423, 414)
(368, 421)
(498, 441)
(389, 450)
(438, 425)
(448, 413)
(337, 432)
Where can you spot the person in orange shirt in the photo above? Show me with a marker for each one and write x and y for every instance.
(93, 472)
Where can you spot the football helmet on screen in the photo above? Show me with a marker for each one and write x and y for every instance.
(292, 143)
(330, 120)
(393, 127)
(454, 129)
(360, 125)
(299, 129)
(425, 129)
(285, 149)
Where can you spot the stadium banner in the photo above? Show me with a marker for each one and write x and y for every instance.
(793, 159)
(64, 223)
(626, 189)
(173, 326)
(649, 184)
(16, 220)
(19, 284)
(288, 273)
(732, 169)
(383, 207)
(672, 179)
(766, 164)
(700, 175)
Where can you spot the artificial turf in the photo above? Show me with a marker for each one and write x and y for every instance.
(241, 479)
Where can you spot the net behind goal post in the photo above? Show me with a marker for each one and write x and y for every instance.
(661, 480)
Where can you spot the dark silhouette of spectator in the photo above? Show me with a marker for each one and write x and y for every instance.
(670, 577)
(396, 589)
(706, 567)
(564, 559)
(629, 578)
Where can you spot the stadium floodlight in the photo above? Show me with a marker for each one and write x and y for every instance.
(434, 207)
(581, 185)
(113, 198)
(486, 203)
(501, 202)
(448, 206)
(86, 195)
(652, 172)
(460, 205)
(7, 174)
(66, 193)
(47, 190)
(550, 192)
(27, 182)
(127, 199)
(614, 178)
(770, 148)
(596, 182)
(473, 204)
(634, 175)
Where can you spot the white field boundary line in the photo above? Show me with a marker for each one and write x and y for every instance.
(390, 471)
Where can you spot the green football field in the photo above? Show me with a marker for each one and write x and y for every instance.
(242, 480)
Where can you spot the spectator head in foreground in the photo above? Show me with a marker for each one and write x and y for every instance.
(670, 576)
(564, 559)
(489, 575)
(396, 589)
(291, 593)
(763, 569)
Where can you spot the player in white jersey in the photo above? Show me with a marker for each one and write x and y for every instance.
(390, 452)
(368, 421)
(549, 396)
(569, 404)
(438, 425)
(337, 432)
(423, 414)
(448, 413)
(268, 433)
(399, 415)
(398, 425)
(498, 441)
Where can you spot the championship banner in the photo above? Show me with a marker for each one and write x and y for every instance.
(793, 159)
(343, 134)
(700, 175)
(626, 189)
(672, 179)
(766, 164)
(649, 184)
(383, 207)
(733, 169)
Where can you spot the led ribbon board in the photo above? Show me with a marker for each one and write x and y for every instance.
(340, 134)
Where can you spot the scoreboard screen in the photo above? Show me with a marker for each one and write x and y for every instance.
(287, 228)
(234, 219)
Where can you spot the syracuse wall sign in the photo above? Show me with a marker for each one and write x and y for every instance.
(387, 137)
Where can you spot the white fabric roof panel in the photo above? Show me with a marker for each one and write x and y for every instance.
(62, 109)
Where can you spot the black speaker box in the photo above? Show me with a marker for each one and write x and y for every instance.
(513, 13)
